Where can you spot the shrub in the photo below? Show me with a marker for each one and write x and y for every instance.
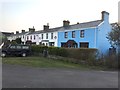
(51, 50)
(37, 49)
(81, 53)
(111, 61)
(108, 61)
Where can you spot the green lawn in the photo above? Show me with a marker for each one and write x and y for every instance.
(42, 62)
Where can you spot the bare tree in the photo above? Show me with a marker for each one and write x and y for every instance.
(114, 38)
(114, 35)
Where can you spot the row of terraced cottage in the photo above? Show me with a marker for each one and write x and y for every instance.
(81, 35)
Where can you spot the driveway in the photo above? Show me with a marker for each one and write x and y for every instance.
(16, 76)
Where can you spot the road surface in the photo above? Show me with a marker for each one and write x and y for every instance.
(16, 76)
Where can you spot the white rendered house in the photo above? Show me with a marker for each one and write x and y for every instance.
(46, 37)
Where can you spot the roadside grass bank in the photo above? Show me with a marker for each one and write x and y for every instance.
(43, 62)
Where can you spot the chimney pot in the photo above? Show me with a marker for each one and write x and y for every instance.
(47, 24)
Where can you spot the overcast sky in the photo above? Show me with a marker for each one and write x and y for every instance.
(16, 15)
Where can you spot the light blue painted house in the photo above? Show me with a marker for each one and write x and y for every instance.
(86, 35)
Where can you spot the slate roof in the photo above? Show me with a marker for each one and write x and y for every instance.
(6, 33)
(85, 25)
(70, 27)
(62, 28)
(18, 34)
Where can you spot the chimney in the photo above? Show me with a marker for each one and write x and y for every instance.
(32, 29)
(78, 23)
(12, 33)
(23, 31)
(105, 16)
(17, 32)
(66, 23)
(46, 27)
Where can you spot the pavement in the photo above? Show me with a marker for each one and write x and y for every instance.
(16, 76)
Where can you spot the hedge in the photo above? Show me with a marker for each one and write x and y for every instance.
(76, 53)
(80, 53)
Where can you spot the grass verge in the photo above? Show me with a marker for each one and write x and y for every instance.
(40, 62)
(45, 63)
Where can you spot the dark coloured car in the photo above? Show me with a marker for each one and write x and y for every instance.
(16, 50)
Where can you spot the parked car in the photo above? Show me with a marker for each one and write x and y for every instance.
(16, 50)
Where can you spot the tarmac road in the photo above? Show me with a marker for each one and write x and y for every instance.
(16, 76)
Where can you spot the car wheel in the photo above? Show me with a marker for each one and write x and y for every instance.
(23, 54)
(3, 54)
